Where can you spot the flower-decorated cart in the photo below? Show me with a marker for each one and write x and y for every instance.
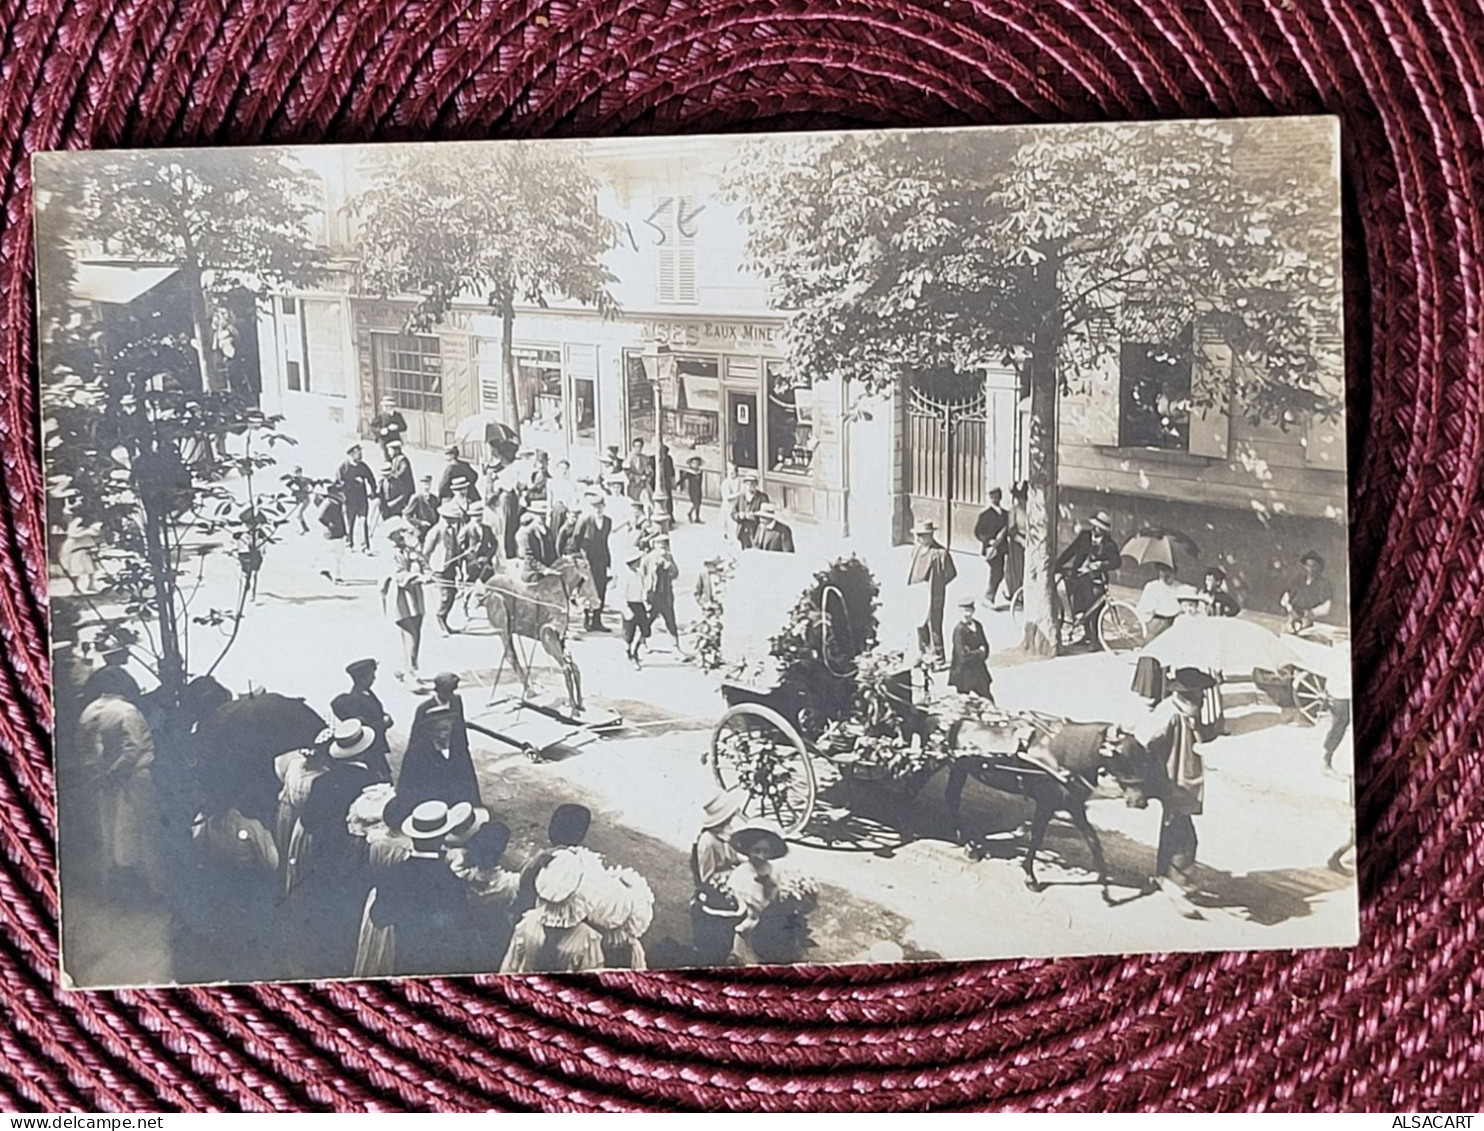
(803, 680)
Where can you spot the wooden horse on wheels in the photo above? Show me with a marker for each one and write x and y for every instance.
(541, 611)
(1054, 764)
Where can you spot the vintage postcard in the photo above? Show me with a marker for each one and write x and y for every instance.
(521, 557)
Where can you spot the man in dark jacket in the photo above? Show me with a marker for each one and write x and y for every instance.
(397, 484)
(359, 485)
(969, 672)
(437, 764)
(364, 705)
(388, 425)
(993, 531)
(422, 509)
(745, 510)
(588, 535)
(534, 545)
(459, 478)
(1086, 564)
(772, 535)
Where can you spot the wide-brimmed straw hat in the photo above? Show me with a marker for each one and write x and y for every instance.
(760, 832)
(926, 526)
(433, 820)
(722, 808)
(767, 510)
(1101, 521)
(348, 738)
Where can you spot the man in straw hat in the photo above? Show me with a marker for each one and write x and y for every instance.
(459, 478)
(388, 425)
(772, 533)
(443, 547)
(1169, 732)
(932, 566)
(552, 937)
(745, 510)
(1086, 563)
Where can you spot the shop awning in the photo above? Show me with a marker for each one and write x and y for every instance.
(116, 284)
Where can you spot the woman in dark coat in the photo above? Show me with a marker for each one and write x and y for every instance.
(438, 764)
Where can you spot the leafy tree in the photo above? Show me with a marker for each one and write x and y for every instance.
(227, 218)
(134, 446)
(931, 254)
(517, 222)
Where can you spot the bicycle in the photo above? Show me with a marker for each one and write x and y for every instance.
(1116, 624)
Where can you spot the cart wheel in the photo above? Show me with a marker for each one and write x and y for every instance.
(1309, 696)
(1119, 627)
(757, 750)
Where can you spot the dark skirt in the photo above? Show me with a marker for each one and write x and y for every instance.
(1149, 679)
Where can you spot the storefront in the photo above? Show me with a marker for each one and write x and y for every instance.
(736, 402)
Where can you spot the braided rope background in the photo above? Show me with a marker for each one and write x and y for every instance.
(1395, 1024)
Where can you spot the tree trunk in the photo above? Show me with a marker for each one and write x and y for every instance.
(509, 388)
(1041, 637)
(212, 380)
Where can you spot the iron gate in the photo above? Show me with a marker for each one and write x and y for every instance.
(945, 462)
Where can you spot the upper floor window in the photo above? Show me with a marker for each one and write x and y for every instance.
(1155, 394)
(675, 219)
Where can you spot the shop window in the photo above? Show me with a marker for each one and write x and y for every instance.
(408, 368)
(691, 408)
(1155, 395)
(790, 419)
(538, 374)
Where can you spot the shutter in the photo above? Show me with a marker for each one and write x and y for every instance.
(460, 385)
(1210, 395)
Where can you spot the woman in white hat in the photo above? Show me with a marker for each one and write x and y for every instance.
(753, 882)
(554, 937)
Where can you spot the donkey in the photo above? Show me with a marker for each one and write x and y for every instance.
(1055, 765)
(541, 611)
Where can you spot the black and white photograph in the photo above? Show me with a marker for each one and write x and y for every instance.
(522, 557)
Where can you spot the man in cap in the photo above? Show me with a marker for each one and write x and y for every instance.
(1310, 596)
(535, 547)
(359, 485)
(660, 575)
(772, 534)
(443, 547)
(1170, 733)
(458, 478)
(388, 425)
(969, 672)
(397, 484)
(362, 704)
(745, 510)
(422, 508)
(932, 565)
(589, 536)
(1085, 564)
(992, 528)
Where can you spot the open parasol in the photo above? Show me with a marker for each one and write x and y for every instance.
(485, 428)
(1156, 544)
(1223, 644)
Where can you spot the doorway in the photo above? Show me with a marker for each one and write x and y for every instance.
(742, 429)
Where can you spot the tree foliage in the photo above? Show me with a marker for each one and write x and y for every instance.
(934, 254)
(227, 218)
(517, 222)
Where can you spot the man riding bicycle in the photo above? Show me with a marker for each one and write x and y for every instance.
(1084, 567)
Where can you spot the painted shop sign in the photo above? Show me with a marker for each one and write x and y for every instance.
(713, 335)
